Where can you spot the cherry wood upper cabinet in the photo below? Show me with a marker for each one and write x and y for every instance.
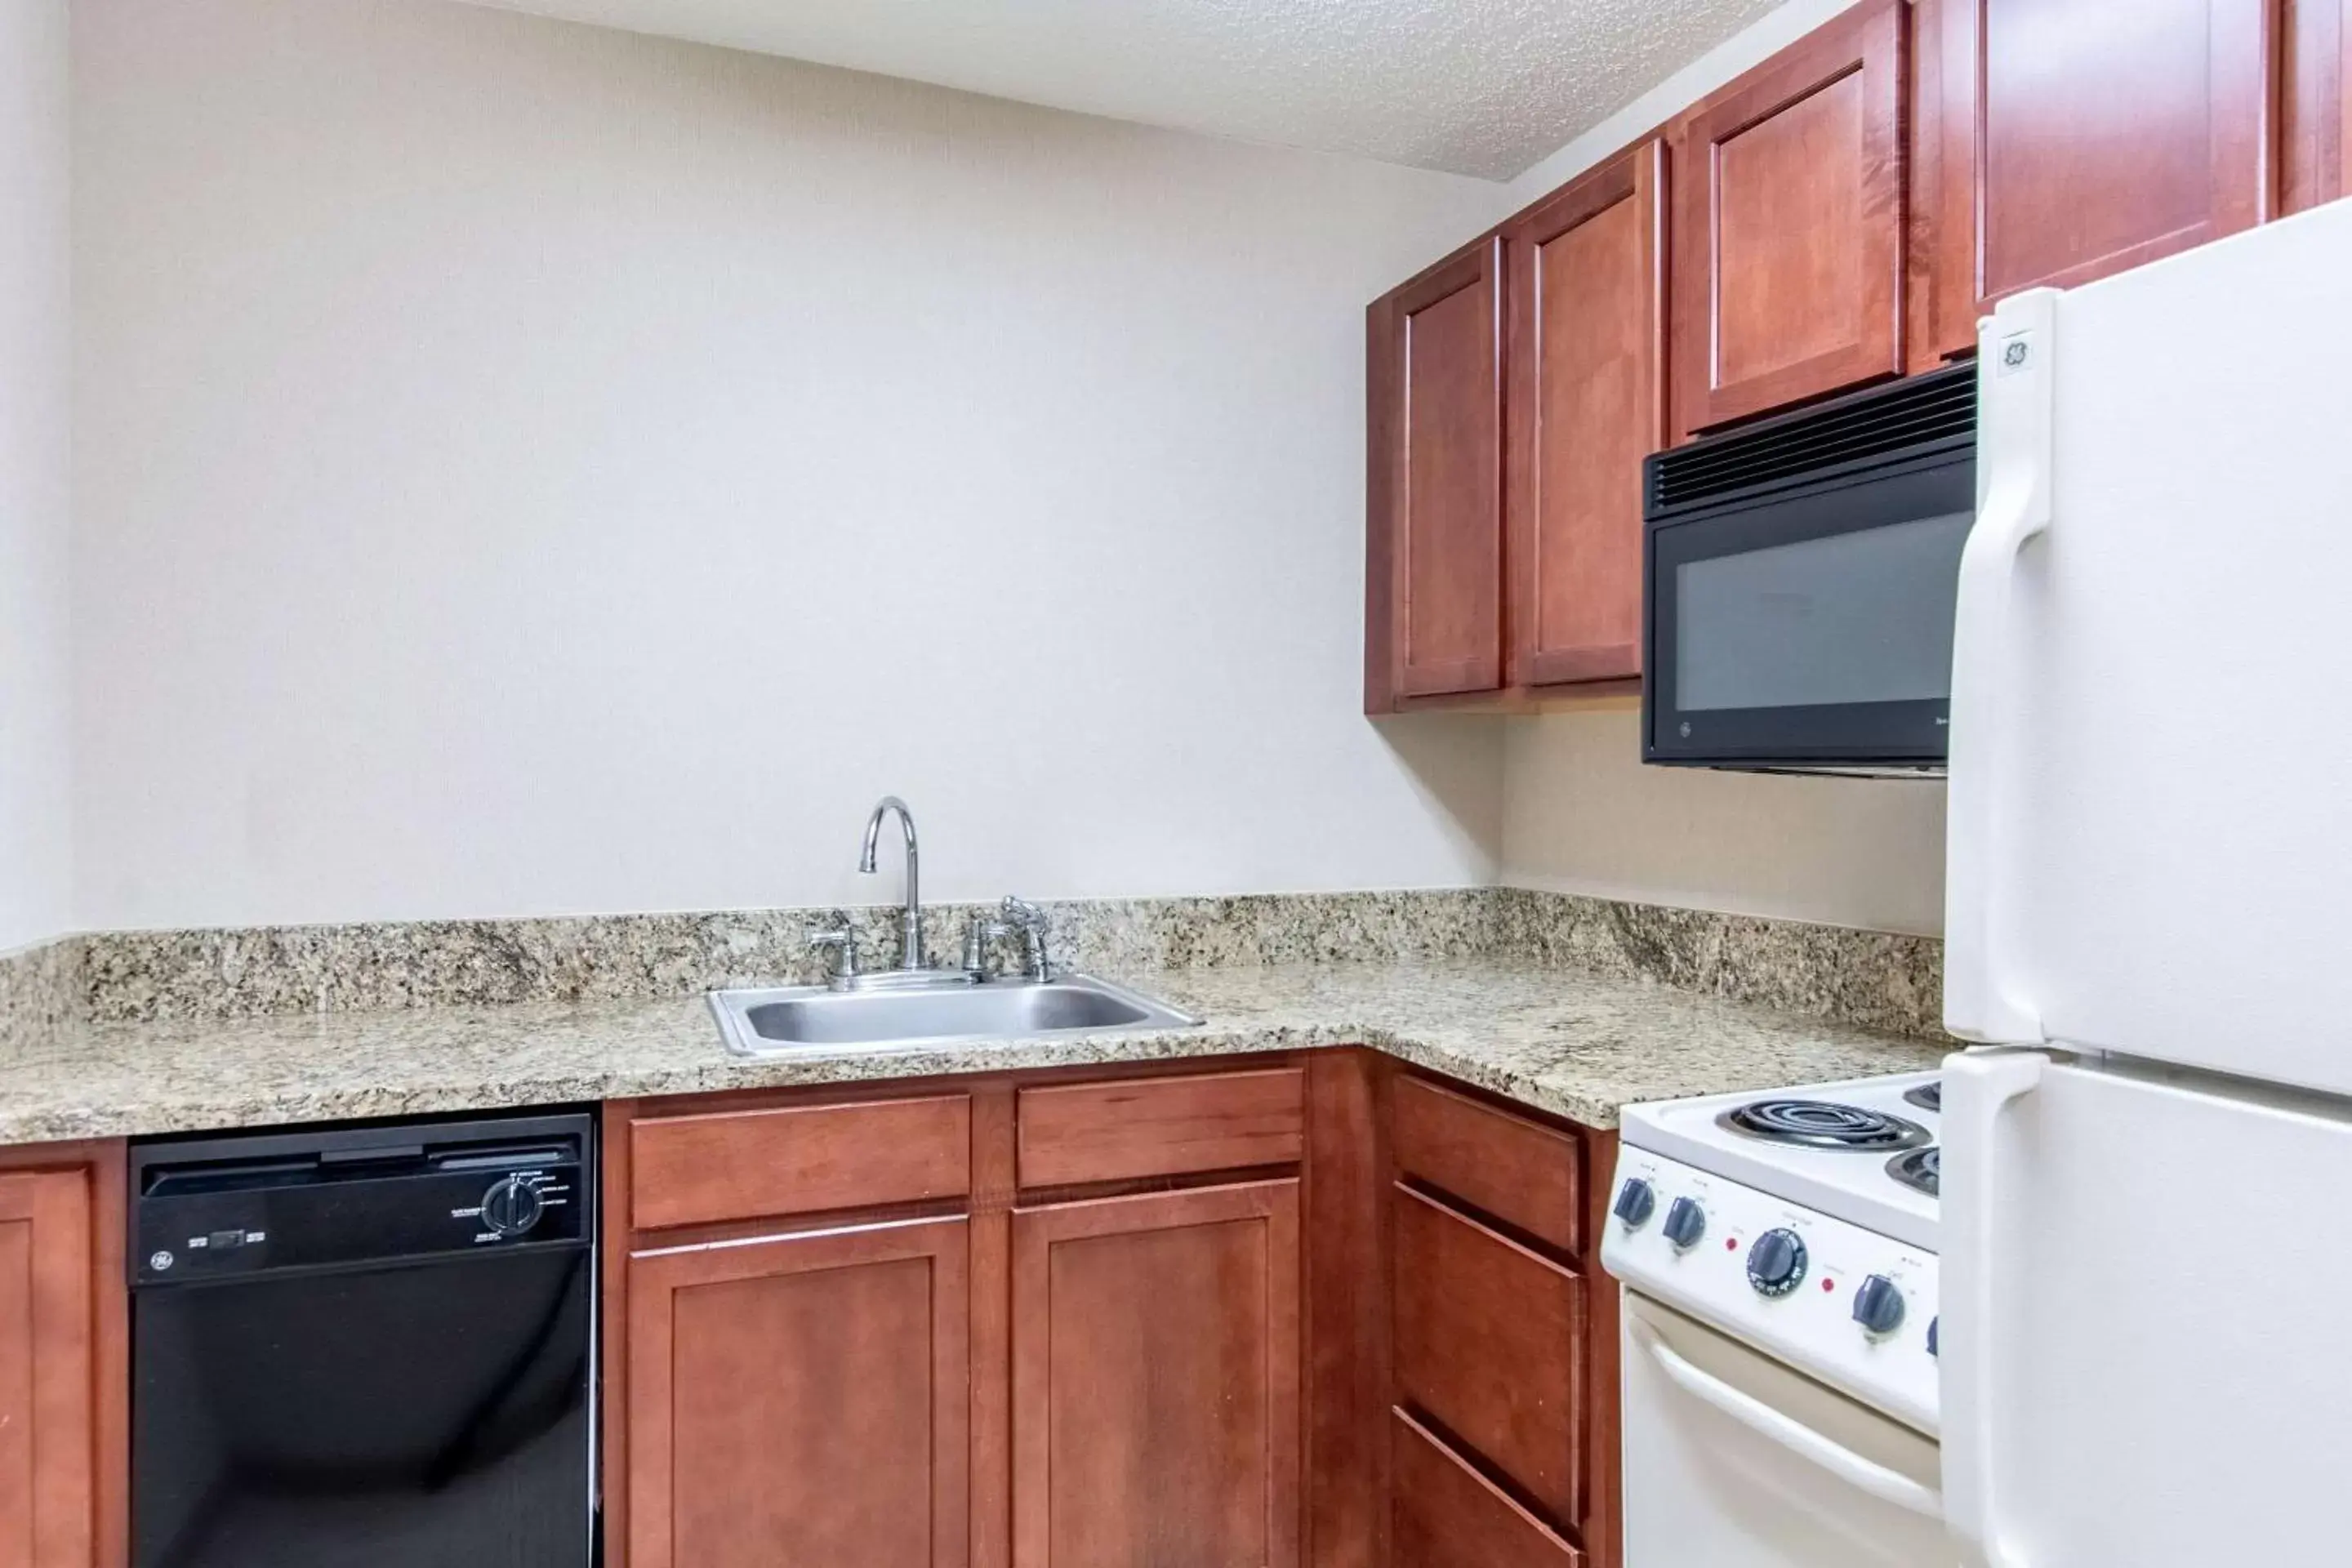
(802, 1399)
(2081, 140)
(1435, 567)
(1587, 403)
(2314, 102)
(49, 1371)
(1790, 206)
(1156, 1388)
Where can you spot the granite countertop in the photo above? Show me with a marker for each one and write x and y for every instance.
(1559, 1040)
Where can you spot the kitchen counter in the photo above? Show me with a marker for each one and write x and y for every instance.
(1556, 1039)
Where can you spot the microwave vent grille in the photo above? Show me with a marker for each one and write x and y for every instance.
(1899, 418)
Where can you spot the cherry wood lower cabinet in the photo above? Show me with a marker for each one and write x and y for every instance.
(802, 1399)
(1297, 1312)
(1156, 1381)
(64, 1372)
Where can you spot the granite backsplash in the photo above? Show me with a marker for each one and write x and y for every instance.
(1873, 980)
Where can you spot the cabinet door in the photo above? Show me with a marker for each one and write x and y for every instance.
(1790, 200)
(2314, 95)
(1434, 607)
(2081, 140)
(1156, 1381)
(802, 1399)
(47, 1372)
(1586, 404)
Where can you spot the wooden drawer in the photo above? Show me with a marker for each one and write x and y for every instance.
(797, 1159)
(1447, 1515)
(1522, 1174)
(1490, 1346)
(1160, 1126)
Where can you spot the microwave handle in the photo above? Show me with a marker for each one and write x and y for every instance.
(2014, 405)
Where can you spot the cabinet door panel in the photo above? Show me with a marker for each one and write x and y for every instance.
(1156, 1381)
(1449, 1516)
(802, 1399)
(1789, 255)
(2081, 141)
(1587, 312)
(1443, 492)
(47, 1370)
(1490, 1348)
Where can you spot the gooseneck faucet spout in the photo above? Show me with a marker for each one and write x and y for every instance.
(911, 921)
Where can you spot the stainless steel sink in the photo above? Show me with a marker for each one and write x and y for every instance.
(814, 1020)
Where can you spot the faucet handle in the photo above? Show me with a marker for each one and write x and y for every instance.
(976, 938)
(1033, 923)
(844, 938)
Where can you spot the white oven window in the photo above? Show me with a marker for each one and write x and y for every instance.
(1733, 1460)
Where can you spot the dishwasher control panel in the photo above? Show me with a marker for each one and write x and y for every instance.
(223, 1208)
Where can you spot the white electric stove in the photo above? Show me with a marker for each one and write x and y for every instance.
(1778, 1256)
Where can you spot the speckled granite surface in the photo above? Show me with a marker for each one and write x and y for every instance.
(1564, 1040)
(1881, 982)
(41, 988)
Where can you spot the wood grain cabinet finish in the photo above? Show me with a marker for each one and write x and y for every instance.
(711, 1168)
(1586, 404)
(1790, 211)
(1520, 1172)
(64, 1353)
(2314, 102)
(1156, 1387)
(1132, 1128)
(1490, 1350)
(1447, 1515)
(802, 1399)
(2082, 139)
(1434, 568)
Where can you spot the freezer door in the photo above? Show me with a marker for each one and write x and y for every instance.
(2143, 1319)
(2151, 749)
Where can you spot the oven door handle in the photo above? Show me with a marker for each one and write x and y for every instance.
(1867, 1475)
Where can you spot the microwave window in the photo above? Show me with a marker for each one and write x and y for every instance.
(1865, 617)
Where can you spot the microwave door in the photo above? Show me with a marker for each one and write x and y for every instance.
(1811, 628)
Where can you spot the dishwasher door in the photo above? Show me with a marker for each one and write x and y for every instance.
(376, 1356)
(1734, 1460)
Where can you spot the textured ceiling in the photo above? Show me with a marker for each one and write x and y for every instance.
(1476, 86)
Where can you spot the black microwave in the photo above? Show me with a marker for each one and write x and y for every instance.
(1799, 582)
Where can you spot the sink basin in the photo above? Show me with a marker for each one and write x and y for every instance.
(810, 1020)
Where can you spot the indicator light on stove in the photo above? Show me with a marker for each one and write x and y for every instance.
(1878, 1306)
(1685, 1223)
(1777, 1262)
(1635, 1203)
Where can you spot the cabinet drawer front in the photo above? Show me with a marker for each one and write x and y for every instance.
(1522, 1174)
(1490, 1347)
(1447, 1515)
(797, 1159)
(1160, 1126)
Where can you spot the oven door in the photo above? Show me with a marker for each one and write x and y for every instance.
(1812, 628)
(1735, 1461)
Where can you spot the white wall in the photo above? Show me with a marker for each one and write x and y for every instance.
(1581, 813)
(524, 469)
(36, 861)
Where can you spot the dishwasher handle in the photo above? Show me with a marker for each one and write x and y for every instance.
(1867, 1475)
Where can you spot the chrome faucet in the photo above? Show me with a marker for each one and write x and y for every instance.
(910, 921)
(1021, 915)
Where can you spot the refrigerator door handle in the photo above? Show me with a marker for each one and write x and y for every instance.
(1867, 1475)
(1978, 1086)
(2013, 508)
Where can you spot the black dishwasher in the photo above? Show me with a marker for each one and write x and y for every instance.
(366, 1347)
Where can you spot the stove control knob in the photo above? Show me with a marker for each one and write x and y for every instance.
(1878, 1305)
(511, 1206)
(1685, 1223)
(1776, 1263)
(1932, 1323)
(1636, 1201)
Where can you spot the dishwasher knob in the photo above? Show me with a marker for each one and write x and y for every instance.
(1685, 1223)
(1878, 1305)
(1636, 1199)
(511, 1206)
(1777, 1262)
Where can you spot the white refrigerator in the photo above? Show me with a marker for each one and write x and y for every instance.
(2147, 1314)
